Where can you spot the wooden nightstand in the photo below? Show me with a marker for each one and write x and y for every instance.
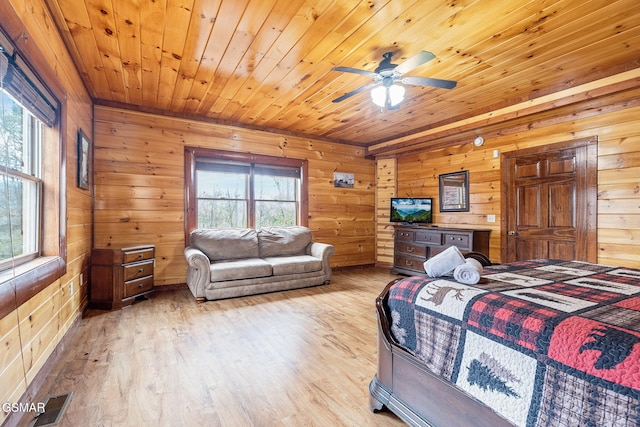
(119, 276)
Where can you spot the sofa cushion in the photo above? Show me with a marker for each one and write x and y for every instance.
(294, 264)
(219, 244)
(239, 269)
(280, 241)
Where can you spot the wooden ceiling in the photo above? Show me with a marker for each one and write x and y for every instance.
(268, 63)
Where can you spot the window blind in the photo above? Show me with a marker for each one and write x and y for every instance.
(21, 83)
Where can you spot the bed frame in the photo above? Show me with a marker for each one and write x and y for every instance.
(407, 388)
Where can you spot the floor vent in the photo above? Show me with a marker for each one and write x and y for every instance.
(54, 408)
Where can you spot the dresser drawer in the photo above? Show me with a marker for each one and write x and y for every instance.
(137, 270)
(411, 249)
(134, 255)
(138, 286)
(459, 240)
(409, 262)
(428, 236)
(405, 235)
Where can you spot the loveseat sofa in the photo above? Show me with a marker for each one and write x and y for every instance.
(225, 263)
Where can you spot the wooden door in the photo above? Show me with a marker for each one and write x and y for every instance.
(550, 202)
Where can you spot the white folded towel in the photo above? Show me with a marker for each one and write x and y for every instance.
(443, 263)
(469, 272)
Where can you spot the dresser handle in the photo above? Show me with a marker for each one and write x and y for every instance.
(410, 250)
(409, 263)
(140, 270)
(140, 255)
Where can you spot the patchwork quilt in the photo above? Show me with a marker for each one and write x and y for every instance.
(542, 342)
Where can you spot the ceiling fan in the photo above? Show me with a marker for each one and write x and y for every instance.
(385, 89)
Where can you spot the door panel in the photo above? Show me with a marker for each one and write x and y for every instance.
(549, 194)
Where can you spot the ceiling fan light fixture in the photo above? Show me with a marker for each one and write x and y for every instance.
(379, 96)
(390, 96)
(396, 94)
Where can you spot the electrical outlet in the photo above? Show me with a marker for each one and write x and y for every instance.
(491, 218)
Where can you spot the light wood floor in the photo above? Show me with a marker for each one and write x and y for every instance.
(296, 358)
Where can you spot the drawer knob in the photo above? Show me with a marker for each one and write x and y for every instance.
(140, 285)
(140, 270)
(139, 255)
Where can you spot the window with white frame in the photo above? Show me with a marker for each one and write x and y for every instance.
(21, 183)
(25, 109)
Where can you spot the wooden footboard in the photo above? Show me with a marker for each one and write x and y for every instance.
(404, 386)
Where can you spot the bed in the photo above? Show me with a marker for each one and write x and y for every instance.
(534, 343)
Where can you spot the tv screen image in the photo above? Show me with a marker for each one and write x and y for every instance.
(412, 209)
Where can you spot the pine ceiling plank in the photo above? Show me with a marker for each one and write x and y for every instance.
(152, 17)
(104, 29)
(275, 23)
(176, 23)
(199, 34)
(300, 23)
(374, 40)
(245, 33)
(292, 68)
(128, 21)
(77, 26)
(306, 78)
(226, 22)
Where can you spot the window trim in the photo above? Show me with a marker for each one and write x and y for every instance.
(192, 153)
(19, 285)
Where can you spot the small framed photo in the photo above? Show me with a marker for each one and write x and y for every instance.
(84, 150)
(343, 180)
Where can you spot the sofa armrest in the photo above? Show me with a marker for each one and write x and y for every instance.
(323, 251)
(198, 272)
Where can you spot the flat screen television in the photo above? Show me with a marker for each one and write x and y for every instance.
(412, 209)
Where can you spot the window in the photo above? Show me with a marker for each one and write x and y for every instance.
(20, 182)
(32, 176)
(231, 190)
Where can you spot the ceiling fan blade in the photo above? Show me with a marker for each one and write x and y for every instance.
(426, 81)
(355, 71)
(415, 61)
(353, 92)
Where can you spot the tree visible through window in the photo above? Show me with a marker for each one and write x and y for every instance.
(234, 194)
(226, 189)
(21, 184)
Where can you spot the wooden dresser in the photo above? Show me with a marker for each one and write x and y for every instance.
(119, 276)
(415, 244)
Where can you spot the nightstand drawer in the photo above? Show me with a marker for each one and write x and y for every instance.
(135, 287)
(137, 270)
(135, 255)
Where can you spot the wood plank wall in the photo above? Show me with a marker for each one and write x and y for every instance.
(31, 332)
(386, 188)
(139, 185)
(618, 132)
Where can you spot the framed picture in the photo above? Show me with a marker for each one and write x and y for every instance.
(343, 180)
(454, 192)
(84, 150)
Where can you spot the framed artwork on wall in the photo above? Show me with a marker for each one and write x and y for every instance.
(454, 192)
(84, 150)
